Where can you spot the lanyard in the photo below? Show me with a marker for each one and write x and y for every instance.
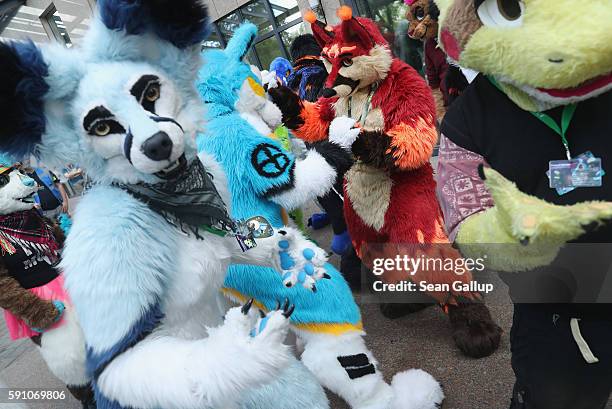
(566, 119)
(366, 109)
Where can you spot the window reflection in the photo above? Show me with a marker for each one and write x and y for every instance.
(285, 11)
(257, 14)
(278, 23)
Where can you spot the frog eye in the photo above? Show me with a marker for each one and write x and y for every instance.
(501, 13)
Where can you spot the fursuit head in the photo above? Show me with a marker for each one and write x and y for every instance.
(383, 112)
(145, 280)
(541, 52)
(17, 190)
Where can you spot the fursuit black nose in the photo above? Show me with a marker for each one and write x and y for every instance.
(328, 92)
(158, 147)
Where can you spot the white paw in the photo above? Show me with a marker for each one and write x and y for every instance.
(300, 260)
(239, 321)
(271, 114)
(272, 328)
(269, 78)
(343, 131)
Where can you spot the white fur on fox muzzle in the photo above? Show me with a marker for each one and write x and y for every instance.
(157, 151)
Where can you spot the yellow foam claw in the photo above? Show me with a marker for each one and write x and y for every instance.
(522, 232)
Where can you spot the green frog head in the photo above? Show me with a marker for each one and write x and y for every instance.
(544, 53)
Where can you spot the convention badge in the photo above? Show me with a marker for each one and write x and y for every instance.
(260, 227)
(583, 171)
(246, 242)
(257, 227)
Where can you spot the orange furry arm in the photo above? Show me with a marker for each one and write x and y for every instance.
(314, 127)
(309, 121)
(412, 143)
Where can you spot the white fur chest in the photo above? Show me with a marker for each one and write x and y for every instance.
(369, 190)
(194, 300)
(374, 119)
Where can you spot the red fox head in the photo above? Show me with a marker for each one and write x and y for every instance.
(355, 53)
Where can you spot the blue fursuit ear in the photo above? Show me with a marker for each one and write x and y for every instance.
(22, 89)
(181, 22)
(241, 42)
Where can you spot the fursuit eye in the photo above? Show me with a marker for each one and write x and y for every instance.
(419, 13)
(153, 93)
(102, 128)
(106, 127)
(501, 13)
(347, 62)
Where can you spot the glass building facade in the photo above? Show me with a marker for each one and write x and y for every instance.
(278, 23)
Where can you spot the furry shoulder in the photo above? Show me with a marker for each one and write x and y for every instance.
(404, 95)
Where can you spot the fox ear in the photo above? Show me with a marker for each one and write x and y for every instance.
(22, 91)
(183, 23)
(319, 31)
(352, 28)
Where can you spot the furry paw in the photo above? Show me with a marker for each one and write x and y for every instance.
(300, 260)
(271, 114)
(341, 243)
(416, 389)
(239, 321)
(268, 79)
(474, 331)
(59, 308)
(534, 229)
(272, 328)
(343, 131)
(290, 105)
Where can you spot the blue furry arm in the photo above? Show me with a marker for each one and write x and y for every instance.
(306, 180)
(181, 22)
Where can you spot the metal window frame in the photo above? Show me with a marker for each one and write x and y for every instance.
(8, 10)
(276, 30)
(50, 27)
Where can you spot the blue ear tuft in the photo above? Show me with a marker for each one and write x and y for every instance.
(181, 22)
(123, 15)
(22, 89)
(241, 42)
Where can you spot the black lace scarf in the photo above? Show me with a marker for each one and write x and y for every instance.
(189, 201)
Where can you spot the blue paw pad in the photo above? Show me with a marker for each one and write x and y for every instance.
(308, 254)
(309, 269)
(286, 260)
(302, 276)
(261, 327)
(283, 244)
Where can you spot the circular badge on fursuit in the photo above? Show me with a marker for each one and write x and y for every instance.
(269, 161)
